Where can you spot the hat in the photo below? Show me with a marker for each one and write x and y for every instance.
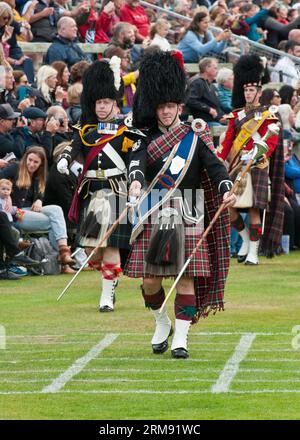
(101, 80)
(7, 112)
(34, 113)
(161, 80)
(250, 70)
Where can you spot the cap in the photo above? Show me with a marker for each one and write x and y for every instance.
(34, 113)
(7, 112)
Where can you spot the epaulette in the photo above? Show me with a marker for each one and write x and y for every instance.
(273, 117)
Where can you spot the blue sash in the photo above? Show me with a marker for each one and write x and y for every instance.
(165, 182)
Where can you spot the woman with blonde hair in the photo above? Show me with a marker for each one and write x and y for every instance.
(29, 182)
(50, 93)
(74, 109)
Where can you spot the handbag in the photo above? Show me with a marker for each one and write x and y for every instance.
(244, 193)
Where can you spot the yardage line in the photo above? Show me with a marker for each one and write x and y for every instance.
(232, 365)
(79, 364)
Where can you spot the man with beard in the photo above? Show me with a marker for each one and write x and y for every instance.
(124, 38)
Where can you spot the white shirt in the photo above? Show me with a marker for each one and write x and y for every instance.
(286, 65)
(163, 43)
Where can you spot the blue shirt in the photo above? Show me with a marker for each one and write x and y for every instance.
(193, 48)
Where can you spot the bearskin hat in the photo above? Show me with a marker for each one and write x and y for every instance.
(249, 69)
(100, 81)
(162, 79)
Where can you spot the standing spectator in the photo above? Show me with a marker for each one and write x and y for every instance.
(64, 46)
(198, 40)
(203, 100)
(132, 12)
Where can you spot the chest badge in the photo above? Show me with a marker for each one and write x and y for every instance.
(177, 164)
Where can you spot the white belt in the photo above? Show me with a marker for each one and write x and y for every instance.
(104, 174)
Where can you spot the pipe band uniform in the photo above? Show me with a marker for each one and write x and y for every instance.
(101, 194)
(180, 184)
(263, 188)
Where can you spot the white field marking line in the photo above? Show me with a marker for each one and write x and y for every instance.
(155, 370)
(22, 361)
(171, 392)
(231, 367)
(147, 334)
(79, 364)
(271, 360)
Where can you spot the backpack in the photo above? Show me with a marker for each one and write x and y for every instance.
(42, 251)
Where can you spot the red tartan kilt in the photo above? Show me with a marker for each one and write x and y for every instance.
(198, 267)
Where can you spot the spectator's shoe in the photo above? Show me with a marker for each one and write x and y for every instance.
(65, 255)
(6, 275)
(21, 272)
(23, 260)
(66, 269)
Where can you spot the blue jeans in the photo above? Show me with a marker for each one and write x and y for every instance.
(50, 219)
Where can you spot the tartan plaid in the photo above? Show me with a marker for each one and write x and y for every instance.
(275, 215)
(260, 180)
(164, 143)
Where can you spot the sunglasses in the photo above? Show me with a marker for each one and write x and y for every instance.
(6, 18)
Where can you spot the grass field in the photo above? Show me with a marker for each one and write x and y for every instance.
(64, 360)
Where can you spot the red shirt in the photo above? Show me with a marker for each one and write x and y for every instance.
(136, 16)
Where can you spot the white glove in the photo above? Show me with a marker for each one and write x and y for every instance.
(62, 166)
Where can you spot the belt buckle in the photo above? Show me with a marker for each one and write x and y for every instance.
(100, 174)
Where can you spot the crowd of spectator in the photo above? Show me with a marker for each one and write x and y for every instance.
(40, 98)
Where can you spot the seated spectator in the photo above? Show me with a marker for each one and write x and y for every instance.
(7, 94)
(74, 109)
(64, 46)
(252, 16)
(20, 78)
(225, 85)
(9, 29)
(26, 34)
(124, 38)
(158, 33)
(132, 12)
(10, 242)
(288, 95)
(203, 101)
(198, 40)
(29, 181)
(8, 143)
(282, 14)
(39, 131)
(276, 31)
(286, 70)
(44, 20)
(61, 187)
(63, 77)
(62, 132)
(270, 97)
(50, 93)
(77, 71)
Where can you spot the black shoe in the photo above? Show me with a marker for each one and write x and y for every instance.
(22, 259)
(241, 258)
(6, 275)
(105, 309)
(163, 346)
(180, 353)
(249, 263)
